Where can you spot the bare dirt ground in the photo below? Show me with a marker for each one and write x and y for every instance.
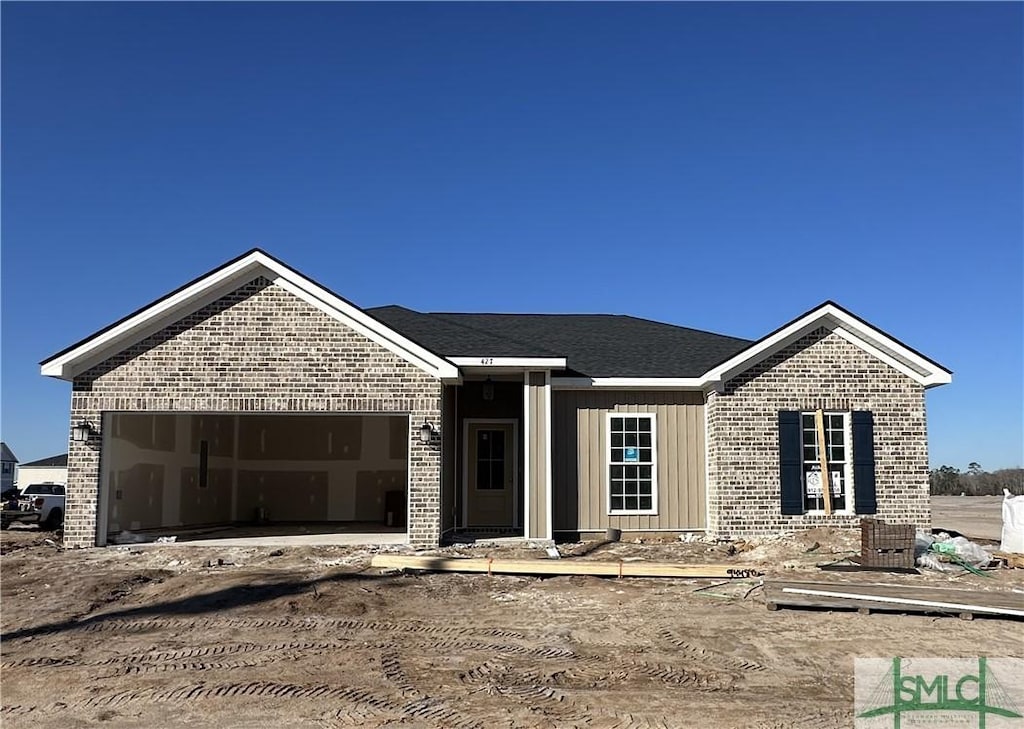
(976, 517)
(155, 636)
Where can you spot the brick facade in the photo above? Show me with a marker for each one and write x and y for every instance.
(259, 349)
(821, 370)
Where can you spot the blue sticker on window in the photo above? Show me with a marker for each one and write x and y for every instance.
(631, 454)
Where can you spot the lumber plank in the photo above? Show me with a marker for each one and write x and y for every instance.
(561, 567)
(826, 480)
(901, 598)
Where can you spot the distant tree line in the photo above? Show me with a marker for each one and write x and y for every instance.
(976, 481)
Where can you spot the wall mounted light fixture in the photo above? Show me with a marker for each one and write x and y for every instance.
(81, 432)
(426, 432)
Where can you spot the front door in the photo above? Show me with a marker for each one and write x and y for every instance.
(491, 459)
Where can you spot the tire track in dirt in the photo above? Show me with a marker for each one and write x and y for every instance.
(305, 648)
(588, 672)
(704, 655)
(422, 705)
(820, 720)
(137, 661)
(148, 625)
(498, 678)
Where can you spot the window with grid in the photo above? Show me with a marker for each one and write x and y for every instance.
(836, 427)
(490, 459)
(632, 462)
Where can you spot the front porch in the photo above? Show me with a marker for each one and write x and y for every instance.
(495, 473)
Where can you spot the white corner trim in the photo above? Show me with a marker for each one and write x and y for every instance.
(526, 454)
(219, 283)
(707, 469)
(539, 363)
(547, 455)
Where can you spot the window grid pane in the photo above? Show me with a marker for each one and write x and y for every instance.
(631, 459)
(835, 449)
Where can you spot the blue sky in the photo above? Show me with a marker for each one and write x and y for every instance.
(721, 166)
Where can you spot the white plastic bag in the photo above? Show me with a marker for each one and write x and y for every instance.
(1013, 523)
(971, 553)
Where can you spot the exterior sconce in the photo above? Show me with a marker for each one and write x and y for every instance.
(488, 390)
(81, 432)
(426, 433)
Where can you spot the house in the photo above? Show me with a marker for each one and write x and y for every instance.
(46, 470)
(253, 393)
(8, 464)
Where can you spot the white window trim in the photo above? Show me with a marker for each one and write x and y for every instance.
(653, 511)
(847, 466)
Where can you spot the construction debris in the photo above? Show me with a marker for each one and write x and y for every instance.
(1013, 523)
(886, 545)
(563, 567)
(898, 598)
(945, 553)
(1012, 561)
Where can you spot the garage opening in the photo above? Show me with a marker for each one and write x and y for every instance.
(204, 476)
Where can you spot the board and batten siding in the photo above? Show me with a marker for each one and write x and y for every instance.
(580, 459)
(537, 468)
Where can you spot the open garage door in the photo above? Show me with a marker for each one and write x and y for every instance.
(208, 475)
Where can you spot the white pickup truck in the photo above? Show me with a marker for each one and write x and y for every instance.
(41, 503)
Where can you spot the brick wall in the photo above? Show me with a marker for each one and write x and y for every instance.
(821, 370)
(259, 349)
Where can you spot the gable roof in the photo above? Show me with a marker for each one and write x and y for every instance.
(6, 454)
(593, 345)
(589, 350)
(849, 326)
(206, 289)
(60, 461)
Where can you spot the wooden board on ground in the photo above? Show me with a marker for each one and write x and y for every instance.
(1011, 559)
(562, 567)
(890, 597)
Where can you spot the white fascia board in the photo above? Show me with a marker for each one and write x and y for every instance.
(212, 287)
(535, 363)
(885, 357)
(933, 378)
(150, 320)
(833, 319)
(626, 383)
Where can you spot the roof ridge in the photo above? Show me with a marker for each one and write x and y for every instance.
(619, 316)
(499, 337)
(689, 329)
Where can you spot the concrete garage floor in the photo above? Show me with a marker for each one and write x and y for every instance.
(977, 517)
(276, 535)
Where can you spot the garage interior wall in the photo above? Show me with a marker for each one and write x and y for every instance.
(292, 468)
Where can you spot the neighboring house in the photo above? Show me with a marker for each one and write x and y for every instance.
(8, 465)
(255, 393)
(46, 470)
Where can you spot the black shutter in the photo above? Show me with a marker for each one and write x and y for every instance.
(791, 475)
(863, 426)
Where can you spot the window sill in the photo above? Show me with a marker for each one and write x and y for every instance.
(648, 512)
(821, 512)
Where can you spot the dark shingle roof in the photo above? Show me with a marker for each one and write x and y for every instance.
(60, 461)
(594, 345)
(7, 455)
